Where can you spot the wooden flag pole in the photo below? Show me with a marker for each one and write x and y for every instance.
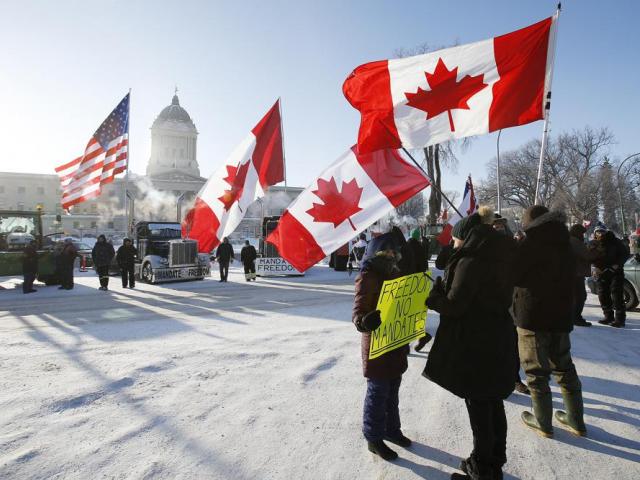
(547, 105)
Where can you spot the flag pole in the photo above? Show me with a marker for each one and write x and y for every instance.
(547, 106)
(433, 185)
(284, 158)
(126, 176)
(498, 174)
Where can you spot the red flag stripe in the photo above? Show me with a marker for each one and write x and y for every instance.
(299, 247)
(268, 155)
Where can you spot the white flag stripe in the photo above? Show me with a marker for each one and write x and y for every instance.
(77, 179)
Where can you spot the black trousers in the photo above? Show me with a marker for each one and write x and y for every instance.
(66, 274)
(489, 427)
(128, 276)
(103, 273)
(579, 298)
(27, 284)
(224, 270)
(611, 293)
(249, 267)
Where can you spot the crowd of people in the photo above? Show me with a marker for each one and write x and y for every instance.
(505, 302)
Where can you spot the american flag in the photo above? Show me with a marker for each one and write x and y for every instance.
(105, 156)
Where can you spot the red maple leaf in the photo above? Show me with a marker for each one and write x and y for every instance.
(445, 94)
(338, 206)
(235, 178)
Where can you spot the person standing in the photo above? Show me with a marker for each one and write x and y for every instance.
(381, 415)
(583, 269)
(29, 267)
(126, 258)
(473, 355)
(67, 260)
(609, 257)
(248, 257)
(102, 255)
(544, 277)
(224, 254)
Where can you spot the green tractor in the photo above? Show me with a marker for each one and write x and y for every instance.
(17, 229)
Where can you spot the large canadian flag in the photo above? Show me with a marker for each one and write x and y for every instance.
(468, 207)
(456, 92)
(348, 197)
(221, 204)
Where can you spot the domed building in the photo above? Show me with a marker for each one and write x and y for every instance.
(173, 145)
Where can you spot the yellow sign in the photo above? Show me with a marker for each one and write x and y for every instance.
(403, 313)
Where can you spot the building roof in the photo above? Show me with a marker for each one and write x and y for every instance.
(174, 117)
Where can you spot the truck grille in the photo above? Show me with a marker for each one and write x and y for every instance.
(183, 252)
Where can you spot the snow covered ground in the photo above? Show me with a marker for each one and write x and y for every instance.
(259, 381)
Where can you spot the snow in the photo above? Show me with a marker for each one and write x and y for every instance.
(260, 381)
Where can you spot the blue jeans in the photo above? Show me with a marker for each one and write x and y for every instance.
(381, 417)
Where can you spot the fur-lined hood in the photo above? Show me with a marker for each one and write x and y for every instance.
(553, 216)
(549, 228)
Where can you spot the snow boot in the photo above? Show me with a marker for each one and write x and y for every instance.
(381, 449)
(608, 318)
(399, 439)
(620, 320)
(423, 341)
(540, 420)
(472, 470)
(573, 418)
(581, 322)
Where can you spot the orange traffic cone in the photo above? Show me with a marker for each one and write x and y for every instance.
(83, 264)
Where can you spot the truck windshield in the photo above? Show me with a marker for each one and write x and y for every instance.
(16, 231)
(165, 230)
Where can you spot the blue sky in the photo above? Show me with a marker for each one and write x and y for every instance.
(64, 66)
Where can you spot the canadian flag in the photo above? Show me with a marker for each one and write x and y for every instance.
(466, 208)
(221, 204)
(347, 197)
(456, 92)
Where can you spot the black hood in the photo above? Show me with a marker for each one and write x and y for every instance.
(387, 241)
(483, 241)
(549, 227)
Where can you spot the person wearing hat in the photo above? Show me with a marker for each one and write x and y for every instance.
(381, 415)
(544, 274)
(583, 270)
(610, 255)
(126, 258)
(102, 255)
(68, 256)
(473, 354)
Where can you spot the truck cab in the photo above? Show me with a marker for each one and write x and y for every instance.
(163, 255)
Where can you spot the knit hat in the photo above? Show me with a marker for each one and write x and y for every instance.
(415, 234)
(601, 227)
(465, 225)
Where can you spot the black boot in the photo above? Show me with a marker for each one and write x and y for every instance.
(399, 439)
(581, 322)
(381, 449)
(608, 318)
(620, 319)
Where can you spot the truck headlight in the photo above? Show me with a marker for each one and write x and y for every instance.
(164, 260)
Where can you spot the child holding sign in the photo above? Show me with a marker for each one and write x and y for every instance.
(381, 418)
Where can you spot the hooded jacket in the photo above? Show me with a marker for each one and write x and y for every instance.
(473, 355)
(544, 274)
(102, 253)
(375, 270)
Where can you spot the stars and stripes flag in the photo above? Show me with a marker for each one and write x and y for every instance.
(468, 207)
(104, 157)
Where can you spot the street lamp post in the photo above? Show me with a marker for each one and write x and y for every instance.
(624, 227)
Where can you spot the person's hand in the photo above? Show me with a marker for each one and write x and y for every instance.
(437, 291)
(370, 321)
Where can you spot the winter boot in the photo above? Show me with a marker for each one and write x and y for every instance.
(475, 471)
(423, 341)
(381, 449)
(581, 322)
(399, 439)
(620, 319)
(608, 318)
(540, 420)
(573, 418)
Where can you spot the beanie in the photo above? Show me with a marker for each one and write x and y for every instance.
(465, 225)
(415, 234)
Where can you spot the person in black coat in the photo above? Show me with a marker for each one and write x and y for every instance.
(381, 415)
(610, 254)
(473, 355)
(29, 267)
(68, 256)
(224, 254)
(248, 257)
(102, 255)
(543, 304)
(126, 258)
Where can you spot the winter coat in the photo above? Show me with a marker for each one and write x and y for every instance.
(30, 260)
(443, 257)
(420, 263)
(607, 252)
(473, 355)
(126, 256)
(102, 254)
(248, 254)
(583, 257)
(367, 290)
(544, 275)
(224, 253)
(68, 255)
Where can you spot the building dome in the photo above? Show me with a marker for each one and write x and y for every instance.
(175, 114)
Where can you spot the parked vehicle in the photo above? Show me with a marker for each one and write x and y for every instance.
(631, 283)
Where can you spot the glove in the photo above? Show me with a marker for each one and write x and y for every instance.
(437, 292)
(370, 321)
